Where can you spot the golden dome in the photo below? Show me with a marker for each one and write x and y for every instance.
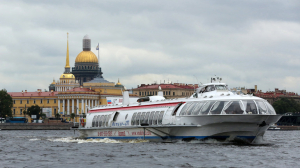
(69, 76)
(86, 56)
(53, 82)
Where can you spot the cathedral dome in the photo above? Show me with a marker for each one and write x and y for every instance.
(86, 56)
(67, 76)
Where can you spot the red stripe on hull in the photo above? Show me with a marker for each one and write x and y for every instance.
(134, 107)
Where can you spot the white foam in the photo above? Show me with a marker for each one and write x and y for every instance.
(105, 140)
(35, 139)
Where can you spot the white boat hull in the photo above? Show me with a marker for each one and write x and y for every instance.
(219, 127)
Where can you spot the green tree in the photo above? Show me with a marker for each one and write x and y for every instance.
(35, 110)
(285, 105)
(57, 115)
(72, 116)
(6, 104)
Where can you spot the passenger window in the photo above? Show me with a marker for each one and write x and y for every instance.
(104, 121)
(93, 122)
(161, 115)
(234, 107)
(207, 107)
(116, 116)
(97, 121)
(185, 107)
(146, 118)
(262, 109)
(154, 122)
(270, 108)
(107, 120)
(176, 109)
(137, 119)
(250, 106)
(151, 117)
(142, 117)
(196, 110)
(217, 107)
(100, 122)
(190, 109)
(133, 119)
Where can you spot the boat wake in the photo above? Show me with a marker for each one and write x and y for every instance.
(80, 140)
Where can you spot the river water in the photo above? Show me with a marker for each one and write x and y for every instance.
(60, 148)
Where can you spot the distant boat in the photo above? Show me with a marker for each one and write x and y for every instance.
(273, 127)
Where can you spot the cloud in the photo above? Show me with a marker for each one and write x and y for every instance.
(246, 43)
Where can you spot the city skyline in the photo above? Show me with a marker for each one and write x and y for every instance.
(245, 43)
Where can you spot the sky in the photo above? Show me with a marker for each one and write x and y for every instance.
(246, 43)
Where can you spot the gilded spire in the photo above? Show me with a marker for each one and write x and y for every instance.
(67, 59)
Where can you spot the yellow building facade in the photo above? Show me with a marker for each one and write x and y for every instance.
(66, 96)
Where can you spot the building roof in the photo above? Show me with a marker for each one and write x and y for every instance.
(79, 89)
(163, 86)
(32, 94)
(98, 80)
(67, 76)
(86, 56)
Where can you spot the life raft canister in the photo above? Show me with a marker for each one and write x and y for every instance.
(82, 122)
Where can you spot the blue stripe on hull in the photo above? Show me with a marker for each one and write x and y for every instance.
(174, 137)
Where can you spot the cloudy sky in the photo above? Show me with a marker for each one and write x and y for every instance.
(244, 42)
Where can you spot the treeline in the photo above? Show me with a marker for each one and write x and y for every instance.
(285, 105)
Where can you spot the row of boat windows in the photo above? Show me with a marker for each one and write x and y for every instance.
(151, 118)
(100, 120)
(228, 107)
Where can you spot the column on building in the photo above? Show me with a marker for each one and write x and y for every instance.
(77, 106)
(68, 107)
(85, 107)
(82, 105)
(58, 105)
(73, 105)
(64, 107)
(89, 103)
(92, 103)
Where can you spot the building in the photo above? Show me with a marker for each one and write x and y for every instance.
(272, 96)
(74, 92)
(175, 90)
(23, 100)
(86, 63)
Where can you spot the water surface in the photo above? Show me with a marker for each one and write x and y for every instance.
(60, 148)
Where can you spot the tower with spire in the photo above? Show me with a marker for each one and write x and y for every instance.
(67, 80)
(67, 67)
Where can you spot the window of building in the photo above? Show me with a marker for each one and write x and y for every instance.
(48, 101)
(20, 101)
(14, 111)
(155, 92)
(54, 111)
(14, 102)
(169, 92)
(41, 101)
(27, 101)
(140, 94)
(164, 93)
(20, 111)
(173, 93)
(54, 100)
(34, 101)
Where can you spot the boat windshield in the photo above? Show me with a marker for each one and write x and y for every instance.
(227, 107)
(221, 87)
